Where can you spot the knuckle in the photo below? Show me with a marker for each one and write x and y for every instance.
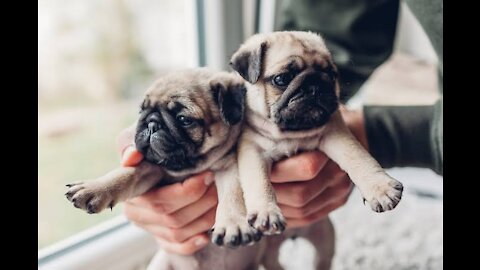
(158, 208)
(194, 192)
(208, 221)
(344, 187)
(300, 196)
(300, 212)
(312, 218)
(172, 222)
(211, 200)
(343, 200)
(175, 235)
(339, 173)
(310, 167)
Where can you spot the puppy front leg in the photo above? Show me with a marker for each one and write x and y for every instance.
(116, 186)
(231, 227)
(263, 212)
(380, 190)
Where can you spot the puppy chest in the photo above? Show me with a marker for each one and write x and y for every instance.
(288, 148)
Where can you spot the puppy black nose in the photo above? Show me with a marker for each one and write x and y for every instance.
(154, 122)
(153, 127)
(311, 84)
(310, 89)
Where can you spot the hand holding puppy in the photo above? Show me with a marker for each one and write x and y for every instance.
(308, 187)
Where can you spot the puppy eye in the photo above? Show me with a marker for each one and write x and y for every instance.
(283, 79)
(184, 121)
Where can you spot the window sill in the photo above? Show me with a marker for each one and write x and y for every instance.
(115, 244)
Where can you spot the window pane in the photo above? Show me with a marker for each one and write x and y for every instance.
(95, 60)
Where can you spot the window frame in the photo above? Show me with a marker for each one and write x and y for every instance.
(113, 244)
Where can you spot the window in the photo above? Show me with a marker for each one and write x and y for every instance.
(96, 59)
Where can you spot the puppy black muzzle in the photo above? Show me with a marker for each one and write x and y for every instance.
(162, 141)
(307, 103)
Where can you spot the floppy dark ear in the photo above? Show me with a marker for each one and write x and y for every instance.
(230, 98)
(248, 63)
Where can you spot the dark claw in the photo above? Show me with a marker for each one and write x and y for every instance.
(72, 184)
(75, 204)
(234, 241)
(398, 186)
(275, 226)
(111, 206)
(251, 219)
(265, 225)
(281, 225)
(218, 239)
(90, 209)
(257, 236)
(246, 239)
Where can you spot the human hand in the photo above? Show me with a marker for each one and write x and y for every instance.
(178, 215)
(309, 186)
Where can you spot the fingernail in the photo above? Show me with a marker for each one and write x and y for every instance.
(200, 242)
(209, 179)
(126, 153)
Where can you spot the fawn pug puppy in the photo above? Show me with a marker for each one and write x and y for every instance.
(292, 106)
(189, 122)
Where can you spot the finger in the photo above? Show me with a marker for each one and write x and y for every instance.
(198, 226)
(299, 168)
(187, 247)
(320, 214)
(125, 138)
(126, 147)
(149, 216)
(131, 157)
(298, 194)
(171, 198)
(331, 195)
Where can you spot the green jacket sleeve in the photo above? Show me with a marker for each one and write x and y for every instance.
(401, 136)
(412, 135)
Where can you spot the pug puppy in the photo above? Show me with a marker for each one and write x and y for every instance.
(292, 106)
(189, 122)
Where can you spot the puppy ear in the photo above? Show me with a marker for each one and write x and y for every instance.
(230, 99)
(248, 62)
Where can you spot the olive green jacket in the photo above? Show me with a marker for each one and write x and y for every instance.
(360, 34)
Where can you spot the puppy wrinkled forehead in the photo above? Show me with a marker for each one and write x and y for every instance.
(186, 93)
(305, 42)
(299, 49)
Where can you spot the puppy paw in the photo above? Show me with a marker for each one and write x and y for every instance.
(268, 220)
(383, 195)
(90, 197)
(233, 234)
